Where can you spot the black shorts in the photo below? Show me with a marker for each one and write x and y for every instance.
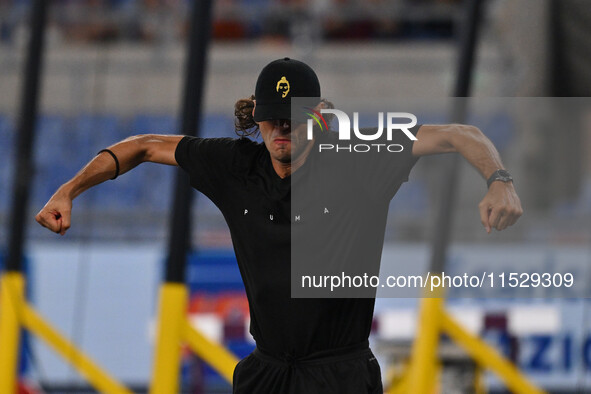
(353, 370)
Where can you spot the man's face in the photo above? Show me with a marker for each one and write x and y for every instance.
(283, 143)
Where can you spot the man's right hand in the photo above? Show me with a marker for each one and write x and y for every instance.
(56, 214)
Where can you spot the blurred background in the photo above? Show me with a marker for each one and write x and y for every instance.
(115, 68)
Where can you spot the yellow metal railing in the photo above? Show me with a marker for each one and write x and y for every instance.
(173, 330)
(421, 374)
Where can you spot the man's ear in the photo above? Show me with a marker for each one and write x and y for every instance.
(253, 108)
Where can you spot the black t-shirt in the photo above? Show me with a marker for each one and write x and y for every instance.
(237, 175)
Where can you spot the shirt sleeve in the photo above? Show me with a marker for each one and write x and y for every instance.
(387, 166)
(208, 161)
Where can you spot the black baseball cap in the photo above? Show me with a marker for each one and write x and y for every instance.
(278, 82)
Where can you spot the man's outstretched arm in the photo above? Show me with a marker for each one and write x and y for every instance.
(500, 207)
(56, 214)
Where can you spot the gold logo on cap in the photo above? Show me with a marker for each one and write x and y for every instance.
(283, 85)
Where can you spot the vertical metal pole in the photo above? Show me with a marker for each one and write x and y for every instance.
(423, 370)
(465, 68)
(180, 225)
(11, 280)
(173, 293)
(557, 73)
(25, 136)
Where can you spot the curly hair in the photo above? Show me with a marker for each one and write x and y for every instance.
(244, 123)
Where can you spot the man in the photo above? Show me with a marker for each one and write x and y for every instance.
(304, 345)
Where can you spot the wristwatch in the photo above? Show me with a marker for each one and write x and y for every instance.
(499, 175)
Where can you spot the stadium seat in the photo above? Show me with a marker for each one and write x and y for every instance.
(217, 125)
(6, 160)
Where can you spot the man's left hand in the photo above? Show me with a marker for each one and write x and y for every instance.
(500, 208)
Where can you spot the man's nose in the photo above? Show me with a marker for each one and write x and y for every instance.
(283, 124)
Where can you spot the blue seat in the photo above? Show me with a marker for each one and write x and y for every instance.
(53, 151)
(153, 124)
(500, 129)
(156, 186)
(95, 132)
(155, 182)
(6, 160)
(6, 134)
(217, 125)
(213, 271)
(497, 126)
(51, 138)
(411, 198)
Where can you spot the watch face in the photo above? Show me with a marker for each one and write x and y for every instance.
(500, 175)
(504, 175)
